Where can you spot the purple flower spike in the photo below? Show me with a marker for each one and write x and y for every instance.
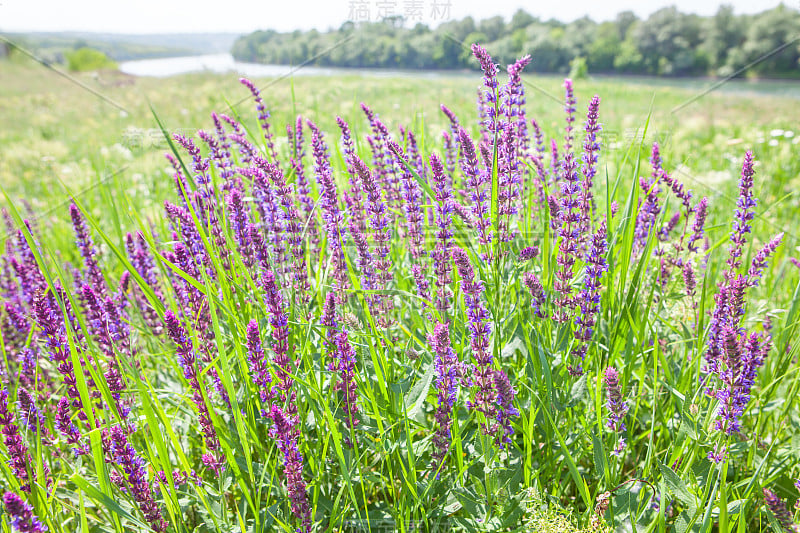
(442, 264)
(21, 514)
(257, 359)
(743, 216)
(536, 289)
(421, 281)
(569, 216)
(412, 204)
(759, 262)
(591, 148)
(135, 479)
(187, 360)
(616, 405)
(344, 365)
(284, 431)
(778, 508)
(689, 280)
(69, 430)
(589, 298)
(294, 228)
(476, 182)
(446, 364)
(88, 251)
(700, 213)
(263, 117)
(569, 108)
(490, 103)
(733, 355)
(32, 417)
(20, 459)
(528, 253)
(480, 332)
(505, 409)
(280, 338)
(239, 219)
(381, 234)
(200, 164)
(332, 214)
(381, 159)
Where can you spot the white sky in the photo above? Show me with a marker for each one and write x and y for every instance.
(173, 16)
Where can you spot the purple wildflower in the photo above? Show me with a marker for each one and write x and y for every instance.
(591, 148)
(536, 289)
(490, 103)
(265, 197)
(293, 226)
(382, 161)
(412, 205)
(422, 283)
(200, 164)
(69, 430)
(528, 253)
(280, 338)
(381, 234)
(743, 216)
(568, 231)
(50, 319)
(285, 432)
(700, 213)
(257, 359)
(18, 454)
(32, 417)
(88, 251)
(263, 117)
(476, 181)
(649, 210)
(136, 478)
(589, 298)
(442, 264)
(446, 365)
(569, 107)
(480, 332)
(21, 514)
(187, 360)
(615, 404)
(733, 355)
(689, 280)
(778, 508)
(331, 213)
(239, 219)
(505, 408)
(344, 365)
(354, 197)
(759, 262)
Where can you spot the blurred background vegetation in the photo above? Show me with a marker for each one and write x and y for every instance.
(667, 43)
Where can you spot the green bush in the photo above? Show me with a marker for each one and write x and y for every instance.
(578, 69)
(85, 58)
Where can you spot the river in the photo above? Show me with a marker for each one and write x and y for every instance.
(225, 63)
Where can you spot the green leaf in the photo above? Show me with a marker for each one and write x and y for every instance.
(419, 392)
(677, 487)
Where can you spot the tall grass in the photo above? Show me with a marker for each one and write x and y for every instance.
(391, 331)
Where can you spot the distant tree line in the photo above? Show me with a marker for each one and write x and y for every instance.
(667, 43)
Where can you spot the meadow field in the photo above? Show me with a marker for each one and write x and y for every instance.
(334, 332)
